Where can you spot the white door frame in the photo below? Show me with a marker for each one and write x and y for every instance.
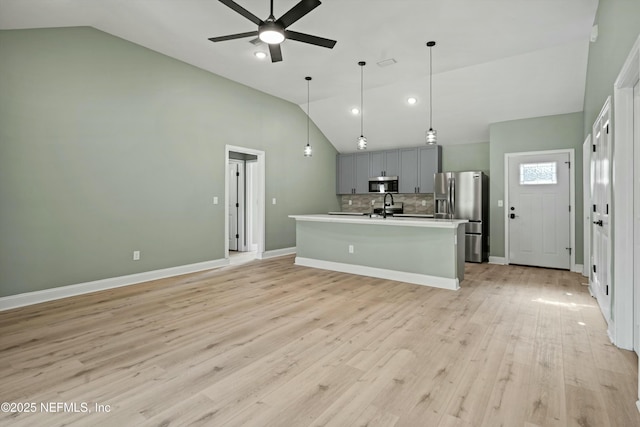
(259, 232)
(586, 206)
(623, 203)
(572, 200)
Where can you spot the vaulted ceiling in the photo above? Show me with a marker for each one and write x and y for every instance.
(495, 60)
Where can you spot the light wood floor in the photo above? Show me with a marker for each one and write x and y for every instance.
(272, 344)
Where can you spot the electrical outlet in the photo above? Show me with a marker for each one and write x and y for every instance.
(273, 201)
(500, 203)
(215, 200)
(424, 203)
(350, 202)
(136, 255)
(350, 249)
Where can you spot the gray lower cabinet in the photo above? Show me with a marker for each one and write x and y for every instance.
(352, 173)
(417, 168)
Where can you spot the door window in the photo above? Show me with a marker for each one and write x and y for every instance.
(538, 173)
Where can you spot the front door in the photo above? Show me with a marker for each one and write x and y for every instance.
(538, 212)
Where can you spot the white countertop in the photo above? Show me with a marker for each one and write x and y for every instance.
(397, 221)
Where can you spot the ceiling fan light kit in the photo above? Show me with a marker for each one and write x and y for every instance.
(274, 31)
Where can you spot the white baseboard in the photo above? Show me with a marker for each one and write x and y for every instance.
(29, 298)
(577, 268)
(277, 253)
(500, 260)
(401, 276)
(638, 405)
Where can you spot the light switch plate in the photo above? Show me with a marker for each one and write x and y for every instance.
(500, 203)
(215, 200)
(273, 201)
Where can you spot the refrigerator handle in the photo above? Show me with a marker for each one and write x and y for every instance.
(452, 197)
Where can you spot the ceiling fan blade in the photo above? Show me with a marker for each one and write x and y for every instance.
(233, 36)
(276, 52)
(308, 38)
(297, 12)
(242, 11)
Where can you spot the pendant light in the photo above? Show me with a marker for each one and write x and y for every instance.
(308, 152)
(362, 140)
(431, 134)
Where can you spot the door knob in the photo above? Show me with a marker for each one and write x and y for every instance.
(599, 222)
(512, 216)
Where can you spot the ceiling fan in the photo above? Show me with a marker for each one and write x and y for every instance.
(273, 31)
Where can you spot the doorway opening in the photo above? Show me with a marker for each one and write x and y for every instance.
(540, 219)
(244, 207)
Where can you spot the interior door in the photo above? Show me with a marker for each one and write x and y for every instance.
(236, 205)
(600, 210)
(538, 212)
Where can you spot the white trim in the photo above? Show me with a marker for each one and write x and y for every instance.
(578, 268)
(572, 198)
(260, 194)
(586, 206)
(623, 201)
(500, 260)
(638, 405)
(277, 253)
(382, 273)
(29, 298)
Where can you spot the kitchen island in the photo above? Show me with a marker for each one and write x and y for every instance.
(423, 251)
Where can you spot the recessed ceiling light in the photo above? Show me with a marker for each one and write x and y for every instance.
(355, 111)
(260, 55)
(412, 100)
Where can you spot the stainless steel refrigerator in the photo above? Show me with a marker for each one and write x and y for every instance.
(465, 195)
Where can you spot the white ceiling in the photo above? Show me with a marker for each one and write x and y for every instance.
(495, 60)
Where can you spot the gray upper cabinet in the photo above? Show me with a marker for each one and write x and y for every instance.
(414, 168)
(408, 177)
(346, 173)
(352, 173)
(430, 163)
(384, 163)
(417, 167)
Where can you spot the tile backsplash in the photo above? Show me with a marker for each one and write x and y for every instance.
(412, 202)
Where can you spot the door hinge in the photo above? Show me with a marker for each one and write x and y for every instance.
(237, 205)
(594, 148)
(568, 164)
(237, 173)
(569, 208)
(607, 290)
(237, 236)
(607, 208)
(607, 128)
(594, 208)
(594, 268)
(569, 249)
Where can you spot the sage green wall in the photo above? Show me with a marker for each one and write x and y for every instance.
(107, 147)
(535, 134)
(618, 28)
(466, 157)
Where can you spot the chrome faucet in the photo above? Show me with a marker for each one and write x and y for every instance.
(385, 204)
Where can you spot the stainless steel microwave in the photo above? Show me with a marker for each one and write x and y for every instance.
(383, 184)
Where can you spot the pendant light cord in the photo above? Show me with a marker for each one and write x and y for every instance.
(361, 99)
(430, 90)
(308, 80)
